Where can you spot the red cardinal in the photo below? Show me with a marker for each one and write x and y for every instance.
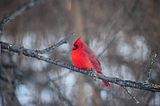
(83, 57)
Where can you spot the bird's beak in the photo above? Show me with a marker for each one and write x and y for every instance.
(73, 47)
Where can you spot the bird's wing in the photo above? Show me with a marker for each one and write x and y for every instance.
(93, 58)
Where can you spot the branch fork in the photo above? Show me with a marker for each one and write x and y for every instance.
(120, 82)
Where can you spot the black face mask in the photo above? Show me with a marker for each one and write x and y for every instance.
(76, 46)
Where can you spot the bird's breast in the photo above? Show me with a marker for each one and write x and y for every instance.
(81, 60)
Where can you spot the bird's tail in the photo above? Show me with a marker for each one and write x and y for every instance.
(107, 84)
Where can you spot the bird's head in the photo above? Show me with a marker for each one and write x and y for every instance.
(78, 44)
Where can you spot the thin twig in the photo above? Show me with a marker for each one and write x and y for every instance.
(120, 82)
(61, 95)
(131, 95)
(55, 46)
(19, 10)
(46, 84)
(110, 41)
(9, 80)
(149, 68)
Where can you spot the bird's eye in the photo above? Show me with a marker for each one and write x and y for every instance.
(75, 47)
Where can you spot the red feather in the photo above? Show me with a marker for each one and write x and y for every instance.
(83, 57)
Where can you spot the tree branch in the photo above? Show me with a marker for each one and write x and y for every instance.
(149, 68)
(19, 10)
(7, 78)
(131, 95)
(51, 88)
(120, 82)
(55, 46)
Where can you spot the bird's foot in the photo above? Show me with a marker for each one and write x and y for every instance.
(95, 78)
(93, 73)
(90, 70)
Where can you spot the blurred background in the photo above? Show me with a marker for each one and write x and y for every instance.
(123, 34)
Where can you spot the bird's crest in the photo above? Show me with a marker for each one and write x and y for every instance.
(78, 41)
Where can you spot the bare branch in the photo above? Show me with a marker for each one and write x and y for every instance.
(131, 95)
(125, 83)
(149, 68)
(51, 88)
(4, 76)
(55, 46)
(7, 78)
(19, 10)
(110, 40)
(61, 95)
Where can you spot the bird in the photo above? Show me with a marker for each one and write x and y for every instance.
(84, 58)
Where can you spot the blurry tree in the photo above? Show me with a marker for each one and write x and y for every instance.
(123, 34)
